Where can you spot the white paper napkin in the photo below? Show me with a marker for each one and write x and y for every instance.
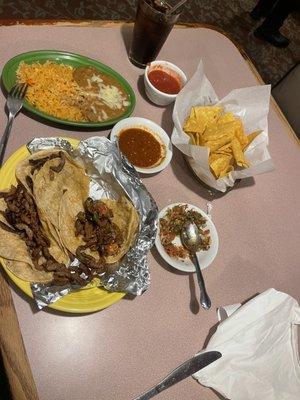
(258, 342)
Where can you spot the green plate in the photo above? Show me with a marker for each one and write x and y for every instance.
(74, 60)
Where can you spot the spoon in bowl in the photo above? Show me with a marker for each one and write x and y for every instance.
(191, 239)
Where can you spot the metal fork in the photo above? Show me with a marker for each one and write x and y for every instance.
(14, 104)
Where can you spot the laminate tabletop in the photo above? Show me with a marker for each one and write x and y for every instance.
(121, 351)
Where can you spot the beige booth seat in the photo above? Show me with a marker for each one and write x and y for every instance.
(287, 95)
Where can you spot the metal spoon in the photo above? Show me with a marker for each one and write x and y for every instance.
(191, 240)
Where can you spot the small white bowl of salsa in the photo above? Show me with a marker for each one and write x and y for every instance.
(144, 143)
(163, 81)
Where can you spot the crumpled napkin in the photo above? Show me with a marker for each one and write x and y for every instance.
(258, 342)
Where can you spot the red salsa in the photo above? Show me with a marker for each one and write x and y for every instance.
(164, 81)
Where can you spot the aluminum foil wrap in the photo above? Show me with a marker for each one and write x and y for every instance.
(110, 176)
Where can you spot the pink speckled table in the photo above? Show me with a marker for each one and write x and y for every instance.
(119, 352)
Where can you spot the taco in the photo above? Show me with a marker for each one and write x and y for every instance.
(53, 180)
(48, 219)
(14, 250)
(104, 229)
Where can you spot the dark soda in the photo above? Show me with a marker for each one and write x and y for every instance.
(151, 29)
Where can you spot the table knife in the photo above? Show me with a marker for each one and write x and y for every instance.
(184, 370)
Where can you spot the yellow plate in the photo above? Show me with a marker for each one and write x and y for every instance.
(83, 301)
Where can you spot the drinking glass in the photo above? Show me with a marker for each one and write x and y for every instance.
(152, 26)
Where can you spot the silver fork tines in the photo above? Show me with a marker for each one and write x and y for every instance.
(15, 98)
(14, 104)
(18, 91)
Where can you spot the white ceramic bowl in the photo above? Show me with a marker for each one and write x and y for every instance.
(136, 122)
(205, 257)
(155, 95)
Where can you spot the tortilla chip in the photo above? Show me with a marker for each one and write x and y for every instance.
(223, 134)
(215, 145)
(239, 132)
(225, 150)
(228, 129)
(200, 117)
(219, 164)
(199, 139)
(251, 137)
(217, 142)
(192, 138)
(213, 157)
(227, 117)
(238, 154)
(226, 171)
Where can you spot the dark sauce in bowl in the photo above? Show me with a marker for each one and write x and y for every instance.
(141, 147)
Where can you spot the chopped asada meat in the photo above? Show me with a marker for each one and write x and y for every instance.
(61, 164)
(97, 229)
(37, 163)
(24, 227)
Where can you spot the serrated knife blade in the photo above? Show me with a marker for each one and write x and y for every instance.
(184, 370)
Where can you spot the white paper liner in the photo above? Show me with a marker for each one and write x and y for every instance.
(250, 104)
